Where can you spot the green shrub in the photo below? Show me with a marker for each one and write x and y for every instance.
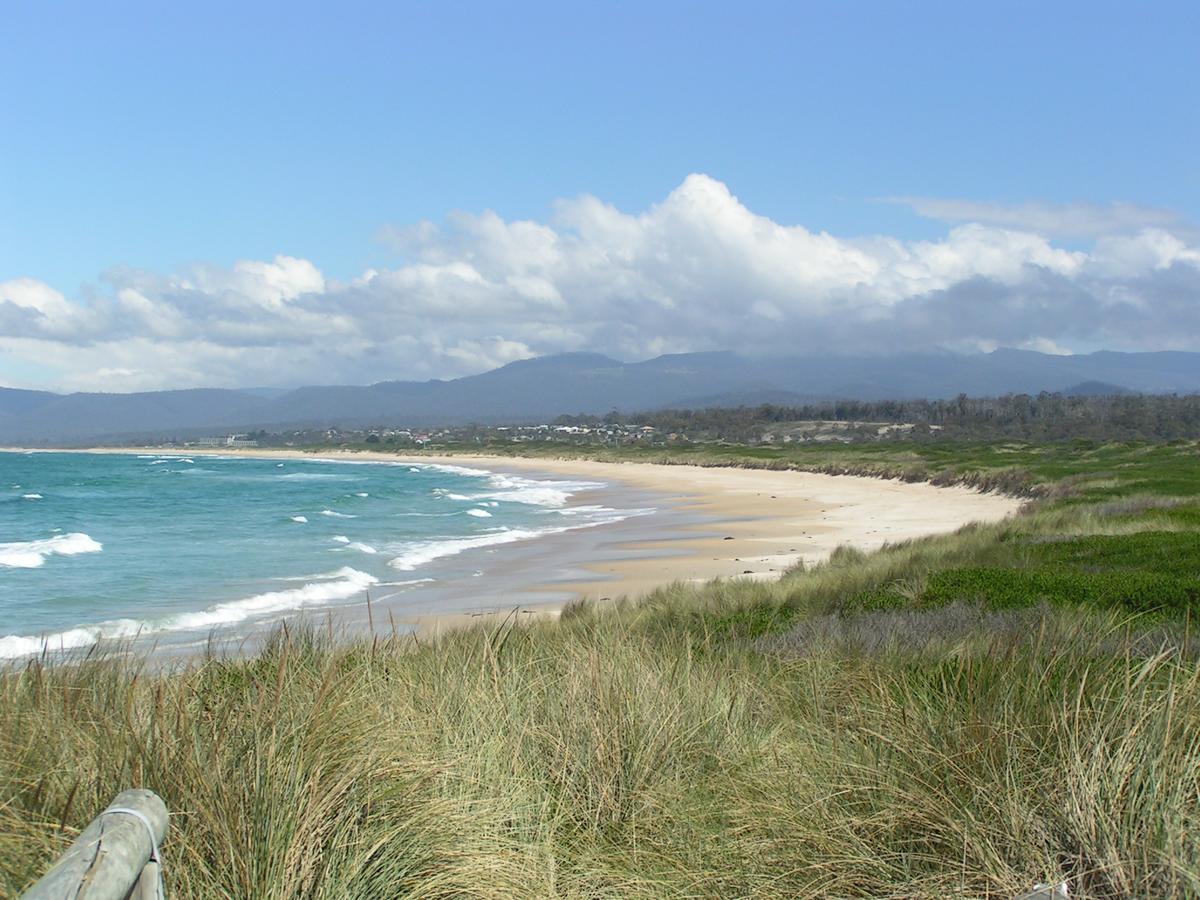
(1133, 591)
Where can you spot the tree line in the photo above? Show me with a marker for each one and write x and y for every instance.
(1045, 416)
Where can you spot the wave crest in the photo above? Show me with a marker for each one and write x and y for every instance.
(32, 554)
(317, 590)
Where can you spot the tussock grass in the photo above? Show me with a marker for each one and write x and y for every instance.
(610, 757)
(846, 731)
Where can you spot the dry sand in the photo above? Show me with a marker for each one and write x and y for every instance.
(760, 522)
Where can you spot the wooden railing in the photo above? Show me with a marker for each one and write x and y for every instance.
(116, 856)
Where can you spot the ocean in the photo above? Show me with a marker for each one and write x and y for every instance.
(176, 550)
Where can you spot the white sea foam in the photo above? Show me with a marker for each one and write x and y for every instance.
(337, 515)
(320, 576)
(539, 493)
(451, 470)
(418, 553)
(588, 511)
(303, 520)
(362, 494)
(320, 589)
(32, 554)
(313, 476)
(31, 496)
(353, 545)
(16, 645)
(479, 513)
(159, 462)
(317, 590)
(517, 489)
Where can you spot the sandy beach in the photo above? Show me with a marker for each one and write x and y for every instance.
(749, 523)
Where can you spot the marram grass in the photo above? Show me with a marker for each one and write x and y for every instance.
(601, 759)
(842, 733)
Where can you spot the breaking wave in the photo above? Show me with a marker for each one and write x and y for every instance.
(32, 554)
(317, 590)
(415, 554)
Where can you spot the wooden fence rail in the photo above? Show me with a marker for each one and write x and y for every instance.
(116, 857)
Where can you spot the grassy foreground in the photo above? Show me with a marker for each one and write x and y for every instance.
(955, 716)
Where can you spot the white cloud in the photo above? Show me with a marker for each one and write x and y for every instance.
(1064, 220)
(696, 271)
(488, 354)
(25, 300)
(1045, 345)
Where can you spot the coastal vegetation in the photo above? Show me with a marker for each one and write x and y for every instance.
(1079, 470)
(959, 715)
(1046, 416)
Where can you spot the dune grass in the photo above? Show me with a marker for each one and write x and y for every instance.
(857, 730)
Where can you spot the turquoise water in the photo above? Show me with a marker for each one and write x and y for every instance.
(111, 546)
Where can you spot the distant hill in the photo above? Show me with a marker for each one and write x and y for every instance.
(574, 383)
(82, 417)
(267, 392)
(14, 402)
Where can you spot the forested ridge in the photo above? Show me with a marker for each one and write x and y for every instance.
(1043, 416)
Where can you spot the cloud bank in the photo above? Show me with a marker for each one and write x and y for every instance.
(697, 271)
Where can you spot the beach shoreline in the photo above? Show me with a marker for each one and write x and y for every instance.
(744, 523)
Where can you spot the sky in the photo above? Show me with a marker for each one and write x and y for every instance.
(250, 194)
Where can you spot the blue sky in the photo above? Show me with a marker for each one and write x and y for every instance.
(154, 137)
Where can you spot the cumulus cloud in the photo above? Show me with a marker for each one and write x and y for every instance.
(697, 271)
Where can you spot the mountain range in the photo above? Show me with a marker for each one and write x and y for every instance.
(573, 383)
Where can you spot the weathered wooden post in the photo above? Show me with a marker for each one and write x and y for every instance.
(116, 857)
